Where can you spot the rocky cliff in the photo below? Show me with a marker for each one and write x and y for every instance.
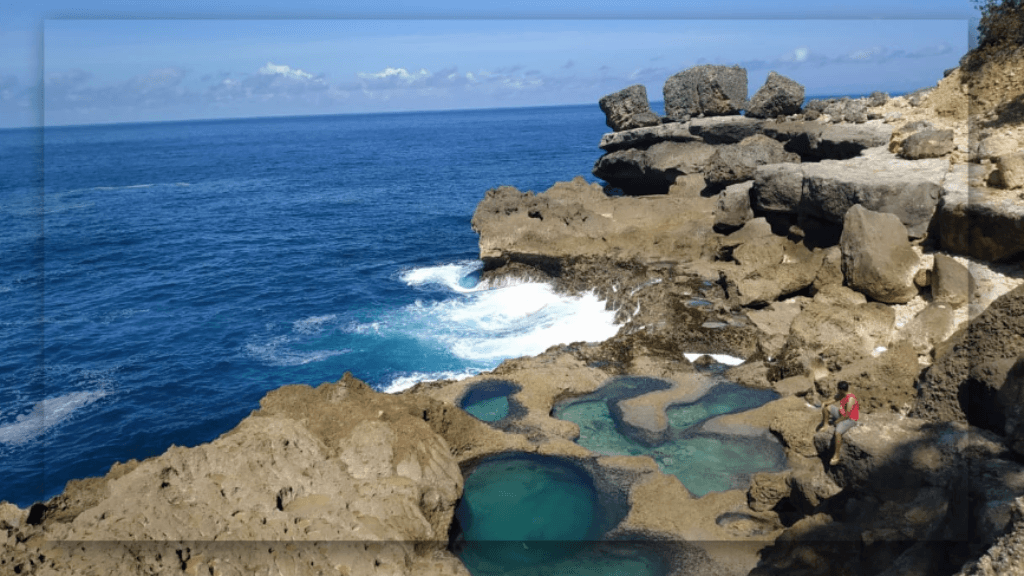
(867, 240)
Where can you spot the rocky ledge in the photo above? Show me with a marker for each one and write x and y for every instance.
(860, 240)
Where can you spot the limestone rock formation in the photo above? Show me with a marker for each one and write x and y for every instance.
(725, 129)
(628, 108)
(817, 141)
(653, 170)
(645, 137)
(706, 90)
(980, 222)
(877, 257)
(950, 281)
(928, 144)
(779, 96)
(733, 208)
(972, 381)
(734, 163)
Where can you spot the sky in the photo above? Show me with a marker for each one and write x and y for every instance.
(108, 61)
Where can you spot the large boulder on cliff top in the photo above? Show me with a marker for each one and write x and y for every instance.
(652, 171)
(877, 257)
(628, 108)
(706, 90)
(877, 180)
(779, 96)
(980, 377)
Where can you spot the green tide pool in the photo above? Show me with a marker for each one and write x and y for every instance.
(704, 462)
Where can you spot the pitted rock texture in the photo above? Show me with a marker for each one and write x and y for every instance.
(628, 109)
(709, 90)
(779, 96)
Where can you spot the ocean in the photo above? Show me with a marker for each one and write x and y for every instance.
(156, 280)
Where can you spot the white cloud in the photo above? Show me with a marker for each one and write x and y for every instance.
(396, 74)
(800, 54)
(272, 69)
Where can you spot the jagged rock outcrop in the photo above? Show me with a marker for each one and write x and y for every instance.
(646, 137)
(706, 90)
(576, 219)
(628, 109)
(779, 96)
(927, 144)
(877, 258)
(303, 481)
(816, 141)
(972, 382)
(733, 208)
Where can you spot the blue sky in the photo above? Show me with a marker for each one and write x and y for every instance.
(113, 61)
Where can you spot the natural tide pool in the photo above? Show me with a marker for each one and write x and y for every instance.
(526, 514)
(703, 461)
(488, 401)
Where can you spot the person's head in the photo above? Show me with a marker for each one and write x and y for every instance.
(842, 388)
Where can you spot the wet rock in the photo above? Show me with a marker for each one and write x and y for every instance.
(735, 163)
(777, 97)
(706, 90)
(733, 208)
(628, 108)
(877, 257)
(928, 144)
(950, 281)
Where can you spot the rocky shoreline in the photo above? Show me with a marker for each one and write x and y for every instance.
(872, 240)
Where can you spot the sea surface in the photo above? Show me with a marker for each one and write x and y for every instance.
(156, 280)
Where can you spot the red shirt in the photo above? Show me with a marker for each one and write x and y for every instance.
(855, 411)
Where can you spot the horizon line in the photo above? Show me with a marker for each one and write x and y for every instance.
(374, 113)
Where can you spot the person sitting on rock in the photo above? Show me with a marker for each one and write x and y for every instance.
(844, 415)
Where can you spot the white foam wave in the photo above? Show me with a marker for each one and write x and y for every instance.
(408, 381)
(277, 352)
(458, 277)
(488, 326)
(44, 415)
(313, 324)
(720, 358)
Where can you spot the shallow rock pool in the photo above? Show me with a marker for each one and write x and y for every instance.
(703, 461)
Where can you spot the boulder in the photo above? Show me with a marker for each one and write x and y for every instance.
(766, 275)
(930, 326)
(882, 383)
(950, 281)
(877, 257)
(974, 379)
(767, 489)
(928, 144)
(847, 110)
(831, 271)
(815, 141)
(725, 129)
(706, 90)
(733, 208)
(646, 137)
(628, 109)
(1011, 169)
(980, 222)
(838, 334)
(652, 171)
(735, 163)
(779, 96)
(877, 98)
(878, 180)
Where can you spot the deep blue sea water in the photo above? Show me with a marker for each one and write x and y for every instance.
(156, 280)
